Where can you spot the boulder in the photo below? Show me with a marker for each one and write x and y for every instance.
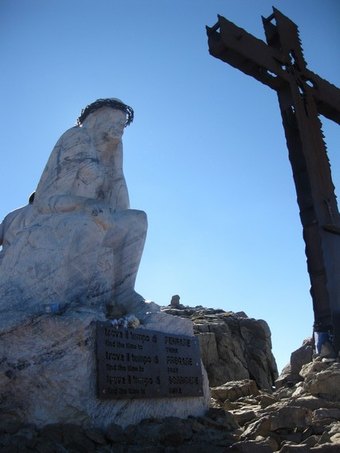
(325, 383)
(290, 374)
(250, 446)
(234, 390)
(301, 356)
(233, 346)
(290, 417)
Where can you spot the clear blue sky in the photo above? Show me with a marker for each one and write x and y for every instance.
(205, 158)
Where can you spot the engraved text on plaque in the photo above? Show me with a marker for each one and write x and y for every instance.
(140, 363)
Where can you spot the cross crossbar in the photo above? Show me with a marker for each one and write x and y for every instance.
(264, 62)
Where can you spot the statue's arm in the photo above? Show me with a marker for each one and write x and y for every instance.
(9, 226)
(71, 203)
(71, 178)
(63, 203)
(121, 201)
(1, 233)
(120, 195)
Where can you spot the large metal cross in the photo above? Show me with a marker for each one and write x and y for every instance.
(302, 97)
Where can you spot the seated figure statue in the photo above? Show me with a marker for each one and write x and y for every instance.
(77, 242)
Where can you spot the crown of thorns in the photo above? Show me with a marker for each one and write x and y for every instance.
(113, 103)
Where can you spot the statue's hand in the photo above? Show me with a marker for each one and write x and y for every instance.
(100, 212)
(95, 210)
(95, 207)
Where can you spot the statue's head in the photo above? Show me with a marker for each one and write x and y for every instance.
(113, 103)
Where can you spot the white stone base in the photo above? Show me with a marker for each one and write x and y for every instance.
(48, 374)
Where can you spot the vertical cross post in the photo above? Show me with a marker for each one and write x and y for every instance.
(302, 96)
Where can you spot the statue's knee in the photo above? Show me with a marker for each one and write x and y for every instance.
(139, 217)
(144, 222)
(143, 218)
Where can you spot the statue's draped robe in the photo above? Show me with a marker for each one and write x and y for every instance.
(61, 248)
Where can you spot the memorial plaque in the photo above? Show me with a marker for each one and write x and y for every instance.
(141, 363)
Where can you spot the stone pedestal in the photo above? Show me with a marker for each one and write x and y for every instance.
(48, 373)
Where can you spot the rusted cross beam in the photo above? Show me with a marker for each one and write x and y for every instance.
(302, 96)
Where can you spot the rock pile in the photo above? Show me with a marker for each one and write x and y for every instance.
(301, 418)
(247, 414)
(214, 431)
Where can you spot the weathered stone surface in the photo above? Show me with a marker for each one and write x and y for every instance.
(287, 448)
(174, 432)
(314, 367)
(250, 446)
(96, 435)
(326, 416)
(326, 383)
(290, 417)
(311, 440)
(233, 346)
(312, 402)
(326, 448)
(266, 400)
(115, 433)
(243, 416)
(234, 390)
(290, 374)
(335, 438)
(260, 427)
(220, 419)
(334, 428)
(301, 356)
(48, 374)
(208, 348)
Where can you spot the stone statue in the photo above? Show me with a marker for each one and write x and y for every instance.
(77, 242)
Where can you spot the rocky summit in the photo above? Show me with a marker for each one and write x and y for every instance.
(247, 413)
(233, 346)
